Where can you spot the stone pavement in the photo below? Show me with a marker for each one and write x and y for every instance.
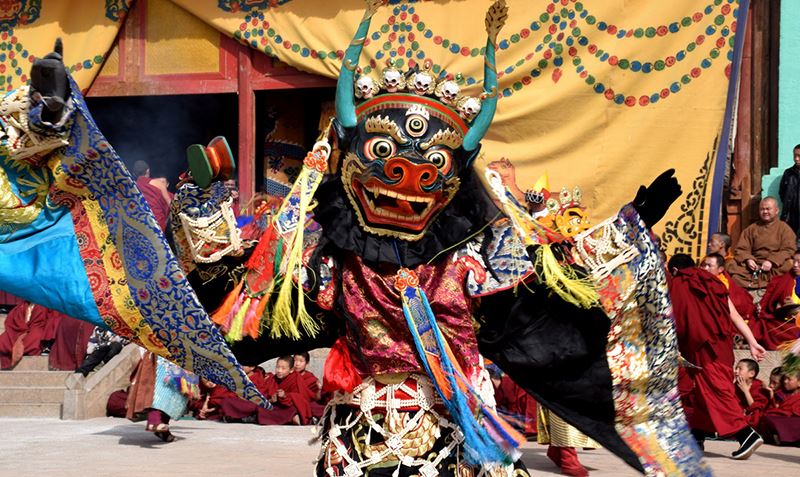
(119, 448)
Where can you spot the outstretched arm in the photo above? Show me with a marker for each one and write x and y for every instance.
(756, 350)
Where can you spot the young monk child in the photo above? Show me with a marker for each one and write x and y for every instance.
(235, 409)
(207, 408)
(753, 398)
(282, 390)
(781, 422)
(310, 388)
(775, 377)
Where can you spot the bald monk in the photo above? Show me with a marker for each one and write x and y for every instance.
(705, 322)
(764, 250)
(720, 243)
(714, 263)
(780, 304)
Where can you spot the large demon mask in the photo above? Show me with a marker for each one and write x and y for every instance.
(404, 147)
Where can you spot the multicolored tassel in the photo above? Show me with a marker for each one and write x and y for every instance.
(560, 278)
(563, 280)
(275, 262)
(289, 314)
(487, 437)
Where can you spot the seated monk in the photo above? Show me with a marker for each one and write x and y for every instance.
(764, 250)
(753, 397)
(779, 306)
(281, 388)
(310, 389)
(283, 391)
(26, 328)
(232, 408)
(714, 264)
(207, 408)
(720, 243)
(781, 422)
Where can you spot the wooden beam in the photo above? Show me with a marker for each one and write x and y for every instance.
(247, 128)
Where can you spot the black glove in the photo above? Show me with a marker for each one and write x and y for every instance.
(652, 202)
(50, 83)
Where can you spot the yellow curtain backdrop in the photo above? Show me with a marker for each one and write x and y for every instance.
(28, 28)
(603, 94)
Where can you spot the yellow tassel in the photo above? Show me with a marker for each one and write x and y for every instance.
(563, 280)
(283, 323)
(235, 333)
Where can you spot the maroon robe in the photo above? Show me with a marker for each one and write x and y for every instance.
(117, 404)
(23, 335)
(742, 301)
(215, 396)
(513, 400)
(310, 404)
(705, 338)
(155, 199)
(769, 329)
(284, 408)
(783, 420)
(69, 349)
(755, 411)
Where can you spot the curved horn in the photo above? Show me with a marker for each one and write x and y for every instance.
(495, 19)
(345, 102)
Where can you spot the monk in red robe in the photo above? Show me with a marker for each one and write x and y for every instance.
(781, 422)
(779, 306)
(283, 391)
(310, 390)
(232, 408)
(207, 408)
(705, 321)
(281, 388)
(714, 264)
(753, 397)
(69, 349)
(154, 191)
(26, 327)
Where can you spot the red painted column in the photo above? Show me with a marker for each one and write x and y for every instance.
(247, 129)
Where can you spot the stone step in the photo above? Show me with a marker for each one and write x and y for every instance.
(33, 378)
(26, 409)
(32, 363)
(51, 394)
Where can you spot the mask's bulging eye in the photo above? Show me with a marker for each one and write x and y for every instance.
(416, 125)
(379, 148)
(440, 158)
